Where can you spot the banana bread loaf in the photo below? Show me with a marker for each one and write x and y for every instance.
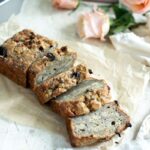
(20, 51)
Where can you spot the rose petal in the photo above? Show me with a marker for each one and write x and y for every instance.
(139, 6)
(93, 25)
(65, 4)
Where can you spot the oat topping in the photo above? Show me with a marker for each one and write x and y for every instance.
(94, 98)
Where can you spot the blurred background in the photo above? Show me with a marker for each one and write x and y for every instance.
(9, 7)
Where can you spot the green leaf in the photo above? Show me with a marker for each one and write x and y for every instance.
(106, 8)
(123, 20)
(119, 11)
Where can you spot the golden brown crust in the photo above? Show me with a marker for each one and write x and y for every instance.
(78, 141)
(22, 49)
(13, 73)
(83, 104)
(76, 107)
(70, 109)
(61, 83)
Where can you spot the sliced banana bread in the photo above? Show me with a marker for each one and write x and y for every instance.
(98, 126)
(55, 62)
(87, 96)
(61, 83)
(20, 51)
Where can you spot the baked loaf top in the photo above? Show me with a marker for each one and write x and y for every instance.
(87, 96)
(55, 62)
(100, 125)
(26, 46)
(20, 51)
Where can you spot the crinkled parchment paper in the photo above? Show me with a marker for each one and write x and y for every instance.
(127, 77)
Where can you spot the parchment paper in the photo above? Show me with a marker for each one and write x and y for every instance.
(128, 78)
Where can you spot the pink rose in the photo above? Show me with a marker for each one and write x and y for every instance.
(93, 25)
(139, 6)
(65, 4)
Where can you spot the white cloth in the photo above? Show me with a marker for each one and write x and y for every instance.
(134, 45)
(142, 141)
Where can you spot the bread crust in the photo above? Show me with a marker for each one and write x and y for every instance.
(79, 141)
(61, 83)
(11, 71)
(81, 105)
(22, 50)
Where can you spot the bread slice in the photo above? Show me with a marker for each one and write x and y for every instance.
(52, 64)
(87, 96)
(61, 83)
(98, 126)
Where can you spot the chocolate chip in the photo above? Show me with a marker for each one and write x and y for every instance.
(55, 69)
(75, 74)
(31, 37)
(41, 48)
(118, 134)
(64, 48)
(108, 106)
(129, 125)
(90, 71)
(108, 88)
(50, 56)
(88, 90)
(32, 33)
(3, 51)
(54, 97)
(50, 46)
(56, 87)
(113, 123)
(116, 102)
(117, 142)
(30, 42)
